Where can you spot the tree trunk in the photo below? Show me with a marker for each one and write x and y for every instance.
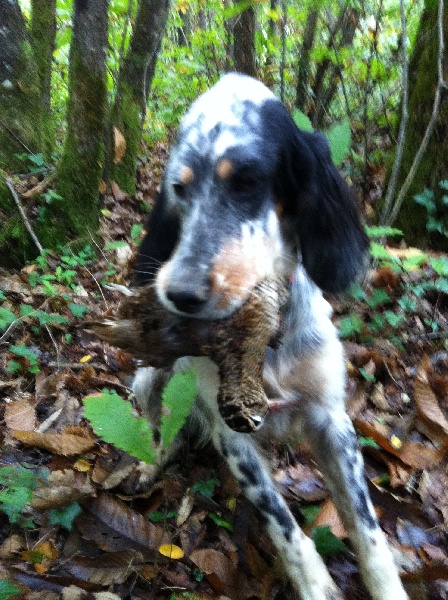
(20, 114)
(43, 34)
(433, 168)
(20, 124)
(134, 83)
(244, 43)
(76, 215)
(304, 67)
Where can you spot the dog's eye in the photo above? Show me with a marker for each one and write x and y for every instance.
(180, 189)
(243, 184)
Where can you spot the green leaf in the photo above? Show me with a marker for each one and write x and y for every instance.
(13, 500)
(302, 121)
(136, 231)
(378, 297)
(350, 325)
(393, 319)
(6, 318)
(382, 231)
(115, 245)
(65, 516)
(220, 521)
(112, 419)
(25, 352)
(78, 310)
(367, 376)
(177, 399)
(310, 513)
(410, 264)
(367, 442)
(326, 542)
(379, 252)
(8, 590)
(205, 488)
(440, 265)
(158, 517)
(340, 140)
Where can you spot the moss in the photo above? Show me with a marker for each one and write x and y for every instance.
(130, 125)
(16, 246)
(20, 110)
(433, 168)
(79, 173)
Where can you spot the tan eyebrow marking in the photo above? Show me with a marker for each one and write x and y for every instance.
(224, 168)
(186, 175)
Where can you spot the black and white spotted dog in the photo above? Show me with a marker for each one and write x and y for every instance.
(248, 195)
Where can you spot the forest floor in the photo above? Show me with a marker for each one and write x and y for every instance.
(75, 522)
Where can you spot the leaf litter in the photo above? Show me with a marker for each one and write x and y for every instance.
(93, 521)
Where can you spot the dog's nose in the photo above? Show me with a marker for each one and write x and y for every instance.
(188, 299)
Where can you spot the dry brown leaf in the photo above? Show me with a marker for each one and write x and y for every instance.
(62, 488)
(428, 409)
(117, 526)
(119, 145)
(11, 546)
(20, 415)
(66, 444)
(111, 568)
(221, 573)
(328, 516)
(414, 454)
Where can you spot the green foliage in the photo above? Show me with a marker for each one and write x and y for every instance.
(326, 542)
(65, 516)
(220, 521)
(23, 351)
(434, 221)
(340, 141)
(367, 442)
(302, 120)
(177, 400)
(381, 231)
(78, 310)
(159, 517)
(113, 419)
(205, 488)
(8, 590)
(17, 485)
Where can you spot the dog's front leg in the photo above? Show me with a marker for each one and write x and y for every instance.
(335, 446)
(304, 566)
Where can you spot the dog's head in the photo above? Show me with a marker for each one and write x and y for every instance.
(244, 193)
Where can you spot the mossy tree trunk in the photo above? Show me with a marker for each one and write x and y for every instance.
(20, 124)
(134, 83)
(43, 36)
(76, 215)
(20, 114)
(433, 168)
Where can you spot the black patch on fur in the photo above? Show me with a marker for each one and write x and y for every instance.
(269, 504)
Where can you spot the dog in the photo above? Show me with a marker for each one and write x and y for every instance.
(247, 195)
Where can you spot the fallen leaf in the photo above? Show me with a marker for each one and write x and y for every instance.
(328, 516)
(171, 551)
(66, 444)
(111, 568)
(119, 145)
(20, 415)
(428, 409)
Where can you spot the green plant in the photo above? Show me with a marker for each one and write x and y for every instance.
(326, 542)
(17, 485)
(434, 221)
(8, 590)
(30, 356)
(113, 420)
(205, 488)
(64, 516)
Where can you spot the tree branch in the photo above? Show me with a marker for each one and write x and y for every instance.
(23, 215)
(390, 192)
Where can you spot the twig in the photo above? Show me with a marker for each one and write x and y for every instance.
(441, 85)
(23, 215)
(18, 140)
(39, 188)
(404, 121)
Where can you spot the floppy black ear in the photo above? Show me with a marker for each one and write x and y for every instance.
(163, 229)
(332, 238)
(317, 200)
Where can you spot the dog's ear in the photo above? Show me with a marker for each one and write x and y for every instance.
(317, 200)
(163, 228)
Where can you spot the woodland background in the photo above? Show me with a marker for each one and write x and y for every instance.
(91, 93)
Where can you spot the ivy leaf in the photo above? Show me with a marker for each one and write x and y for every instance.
(112, 420)
(78, 310)
(340, 139)
(7, 590)
(65, 516)
(302, 121)
(177, 400)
